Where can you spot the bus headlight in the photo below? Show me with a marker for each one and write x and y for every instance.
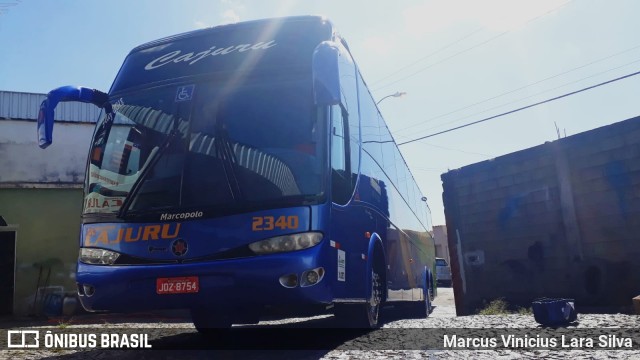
(97, 256)
(286, 243)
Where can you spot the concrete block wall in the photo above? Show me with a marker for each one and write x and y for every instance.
(556, 220)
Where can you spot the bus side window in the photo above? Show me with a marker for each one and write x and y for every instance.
(340, 165)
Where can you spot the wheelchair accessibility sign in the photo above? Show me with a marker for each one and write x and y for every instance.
(185, 93)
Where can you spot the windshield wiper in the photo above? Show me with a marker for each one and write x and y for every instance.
(225, 152)
(154, 157)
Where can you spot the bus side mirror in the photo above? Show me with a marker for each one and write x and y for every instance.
(326, 74)
(45, 124)
(64, 93)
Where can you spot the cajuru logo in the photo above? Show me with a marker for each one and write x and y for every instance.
(179, 247)
(177, 56)
(182, 216)
(115, 234)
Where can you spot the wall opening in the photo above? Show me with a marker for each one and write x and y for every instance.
(7, 269)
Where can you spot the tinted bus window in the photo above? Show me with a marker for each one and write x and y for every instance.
(341, 178)
(389, 149)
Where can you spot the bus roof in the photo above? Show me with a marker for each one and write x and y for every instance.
(232, 27)
(270, 45)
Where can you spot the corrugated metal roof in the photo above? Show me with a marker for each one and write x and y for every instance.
(25, 106)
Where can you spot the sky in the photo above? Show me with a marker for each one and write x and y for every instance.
(459, 61)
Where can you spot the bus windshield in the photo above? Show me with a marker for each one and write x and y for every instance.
(214, 147)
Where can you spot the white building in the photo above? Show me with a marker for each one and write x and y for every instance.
(442, 243)
(41, 200)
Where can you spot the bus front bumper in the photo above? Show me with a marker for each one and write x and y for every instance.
(236, 283)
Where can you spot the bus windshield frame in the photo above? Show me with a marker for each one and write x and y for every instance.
(223, 149)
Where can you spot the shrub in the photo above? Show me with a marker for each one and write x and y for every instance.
(496, 307)
(501, 307)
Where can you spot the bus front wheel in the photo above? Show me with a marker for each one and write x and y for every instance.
(363, 315)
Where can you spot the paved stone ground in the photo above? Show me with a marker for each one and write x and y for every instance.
(390, 342)
(444, 317)
(444, 306)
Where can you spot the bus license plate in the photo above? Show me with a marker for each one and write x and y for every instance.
(177, 285)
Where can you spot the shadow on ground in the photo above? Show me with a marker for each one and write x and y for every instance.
(306, 339)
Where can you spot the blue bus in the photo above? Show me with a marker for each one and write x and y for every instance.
(244, 170)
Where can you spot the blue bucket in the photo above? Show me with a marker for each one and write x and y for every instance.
(554, 312)
(53, 305)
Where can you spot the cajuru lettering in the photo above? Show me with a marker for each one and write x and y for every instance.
(111, 234)
(191, 58)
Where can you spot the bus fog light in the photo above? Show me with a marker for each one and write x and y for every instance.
(88, 290)
(311, 277)
(289, 280)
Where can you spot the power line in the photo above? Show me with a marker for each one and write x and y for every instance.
(462, 151)
(429, 169)
(528, 97)
(523, 108)
(468, 49)
(517, 89)
(441, 61)
(428, 56)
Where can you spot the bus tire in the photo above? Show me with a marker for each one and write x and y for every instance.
(421, 309)
(429, 298)
(209, 322)
(363, 315)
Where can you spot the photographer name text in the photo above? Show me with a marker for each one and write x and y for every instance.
(562, 342)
